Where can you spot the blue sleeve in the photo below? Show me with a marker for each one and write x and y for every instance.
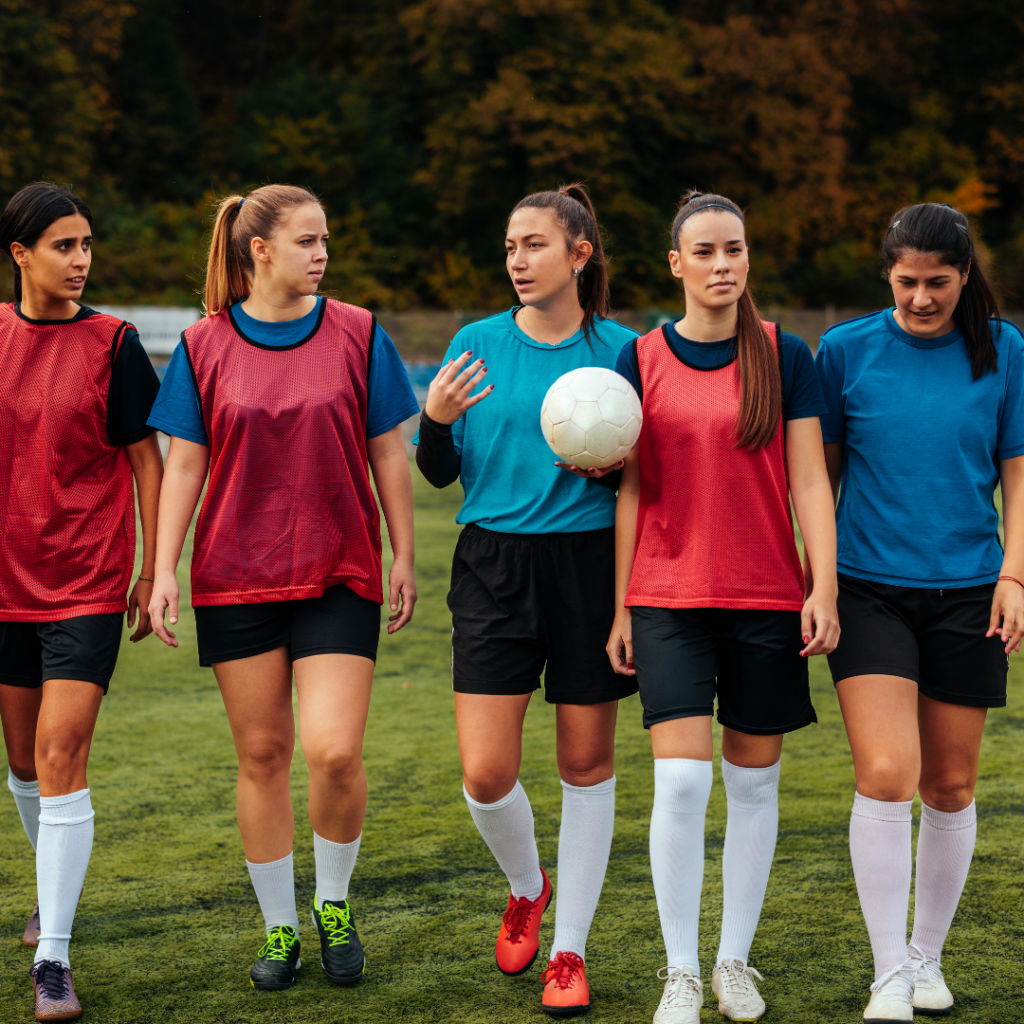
(624, 363)
(176, 409)
(803, 396)
(1010, 441)
(390, 399)
(830, 377)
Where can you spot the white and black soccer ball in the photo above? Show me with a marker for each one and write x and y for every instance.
(591, 417)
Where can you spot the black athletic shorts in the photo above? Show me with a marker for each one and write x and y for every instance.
(520, 602)
(750, 658)
(934, 637)
(84, 647)
(337, 622)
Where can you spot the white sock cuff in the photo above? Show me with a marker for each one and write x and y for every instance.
(270, 865)
(751, 787)
(950, 821)
(19, 788)
(354, 845)
(598, 789)
(882, 810)
(681, 779)
(498, 804)
(69, 809)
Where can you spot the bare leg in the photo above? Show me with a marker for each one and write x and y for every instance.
(950, 748)
(19, 712)
(67, 719)
(490, 742)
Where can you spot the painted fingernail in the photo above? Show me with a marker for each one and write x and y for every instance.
(807, 639)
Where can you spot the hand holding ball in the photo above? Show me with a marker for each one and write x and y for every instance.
(591, 417)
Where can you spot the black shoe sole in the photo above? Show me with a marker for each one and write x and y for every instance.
(533, 959)
(345, 979)
(565, 1011)
(934, 1013)
(263, 987)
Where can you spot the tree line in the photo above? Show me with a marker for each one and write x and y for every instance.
(421, 122)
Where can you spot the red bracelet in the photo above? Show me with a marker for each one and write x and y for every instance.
(1014, 578)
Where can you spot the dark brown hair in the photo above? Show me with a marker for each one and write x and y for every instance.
(30, 212)
(240, 219)
(572, 209)
(938, 230)
(760, 384)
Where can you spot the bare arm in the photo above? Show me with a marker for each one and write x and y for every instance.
(814, 503)
(1008, 600)
(391, 474)
(184, 476)
(148, 469)
(620, 641)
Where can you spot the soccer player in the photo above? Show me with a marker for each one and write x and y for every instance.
(533, 578)
(710, 595)
(287, 400)
(75, 394)
(925, 419)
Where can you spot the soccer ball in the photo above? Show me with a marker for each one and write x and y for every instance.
(591, 417)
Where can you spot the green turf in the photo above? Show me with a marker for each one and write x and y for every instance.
(168, 926)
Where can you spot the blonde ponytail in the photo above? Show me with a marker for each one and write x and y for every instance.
(229, 264)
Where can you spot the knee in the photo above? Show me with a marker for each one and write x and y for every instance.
(338, 765)
(584, 772)
(886, 778)
(947, 793)
(22, 765)
(487, 784)
(265, 759)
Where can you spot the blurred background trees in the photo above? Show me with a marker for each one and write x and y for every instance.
(421, 123)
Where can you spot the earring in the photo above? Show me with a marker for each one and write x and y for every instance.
(576, 273)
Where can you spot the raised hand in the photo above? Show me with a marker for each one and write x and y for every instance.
(449, 394)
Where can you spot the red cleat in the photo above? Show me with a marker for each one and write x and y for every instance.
(519, 935)
(566, 991)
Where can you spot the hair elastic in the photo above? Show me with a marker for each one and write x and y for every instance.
(700, 209)
(240, 201)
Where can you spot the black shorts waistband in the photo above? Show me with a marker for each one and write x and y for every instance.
(475, 529)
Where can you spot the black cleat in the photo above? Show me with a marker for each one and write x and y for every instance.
(277, 960)
(341, 952)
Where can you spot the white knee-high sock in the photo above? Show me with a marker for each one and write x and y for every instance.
(334, 865)
(880, 851)
(750, 833)
(507, 828)
(274, 883)
(26, 798)
(584, 842)
(945, 846)
(681, 791)
(62, 858)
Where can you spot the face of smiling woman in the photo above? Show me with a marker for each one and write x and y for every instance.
(926, 292)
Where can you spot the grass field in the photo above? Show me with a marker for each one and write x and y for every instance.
(168, 926)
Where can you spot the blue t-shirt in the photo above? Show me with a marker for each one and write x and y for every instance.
(509, 476)
(921, 442)
(390, 398)
(801, 392)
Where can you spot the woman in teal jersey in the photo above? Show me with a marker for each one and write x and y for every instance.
(925, 420)
(533, 577)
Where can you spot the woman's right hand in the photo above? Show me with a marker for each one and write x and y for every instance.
(620, 643)
(165, 598)
(449, 394)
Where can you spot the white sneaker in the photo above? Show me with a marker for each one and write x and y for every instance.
(738, 999)
(892, 996)
(931, 996)
(682, 999)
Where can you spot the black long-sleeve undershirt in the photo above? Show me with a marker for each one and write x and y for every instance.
(441, 464)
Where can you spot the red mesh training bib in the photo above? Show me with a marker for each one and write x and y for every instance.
(289, 509)
(713, 528)
(67, 507)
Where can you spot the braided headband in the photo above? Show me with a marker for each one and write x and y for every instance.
(701, 209)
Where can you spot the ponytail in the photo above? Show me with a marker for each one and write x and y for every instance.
(757, 353)
(572, 209)
(229, 264)
(30, 212)
(939, 230)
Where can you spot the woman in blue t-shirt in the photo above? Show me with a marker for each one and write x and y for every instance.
(925, 420)
(533, 577)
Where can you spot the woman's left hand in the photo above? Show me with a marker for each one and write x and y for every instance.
(819, 624)
(402, 594)
(1008, 614)
(138, 603)
(591, 474)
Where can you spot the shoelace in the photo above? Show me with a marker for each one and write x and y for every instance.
(683, 988)
(562, 969)
(279, 943)
(50, 977)
(927, 972)
(337, 922)
(517, 918)
(903, 972)
(735, 975)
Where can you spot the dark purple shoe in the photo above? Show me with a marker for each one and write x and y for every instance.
(55, 992)
(31, 936)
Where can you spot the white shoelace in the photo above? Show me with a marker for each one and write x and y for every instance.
(902, 974)
(683, 989)
(927, 973)
(737, 980)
